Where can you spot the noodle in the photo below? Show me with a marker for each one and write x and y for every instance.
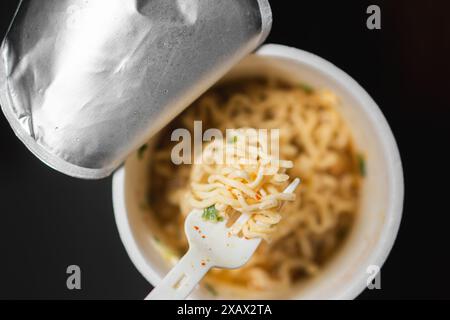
(233, 178)
(318, 148)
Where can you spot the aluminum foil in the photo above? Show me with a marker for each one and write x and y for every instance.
(84, 83)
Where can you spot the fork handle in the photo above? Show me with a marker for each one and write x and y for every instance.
(183, 278)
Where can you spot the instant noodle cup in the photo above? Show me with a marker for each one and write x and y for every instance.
(358, 261)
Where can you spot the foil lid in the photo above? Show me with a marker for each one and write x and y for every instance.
(84, 83)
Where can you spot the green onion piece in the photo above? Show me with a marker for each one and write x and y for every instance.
(362, 165)
(143, 206)
(141, 151)
(308, 89)
(211, 214)
(233, 139)
(211, 289)
(156, 239)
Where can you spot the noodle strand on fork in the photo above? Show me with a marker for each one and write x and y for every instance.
(235, 185)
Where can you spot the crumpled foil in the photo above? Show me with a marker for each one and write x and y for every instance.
(84, 83)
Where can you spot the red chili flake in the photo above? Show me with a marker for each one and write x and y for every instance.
(203, 264)
(196, 228)
(203, 236)
(258, 196)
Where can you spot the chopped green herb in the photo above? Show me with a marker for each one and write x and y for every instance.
(143, 206)
(141, 151)
(308, 89)
(211, 214)
(362, 165)
(157, 239)
(211, 289)
(233, 139)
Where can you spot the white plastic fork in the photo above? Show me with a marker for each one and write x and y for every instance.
(211, 244)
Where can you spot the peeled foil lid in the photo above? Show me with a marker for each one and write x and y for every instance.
(84, 83)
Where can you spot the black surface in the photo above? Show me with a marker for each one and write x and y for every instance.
(49, 221)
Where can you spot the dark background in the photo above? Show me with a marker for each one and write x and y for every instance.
(49, 221)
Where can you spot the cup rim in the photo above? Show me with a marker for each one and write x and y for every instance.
(391, 154)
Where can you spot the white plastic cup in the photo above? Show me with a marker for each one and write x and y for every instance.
(373, 234)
